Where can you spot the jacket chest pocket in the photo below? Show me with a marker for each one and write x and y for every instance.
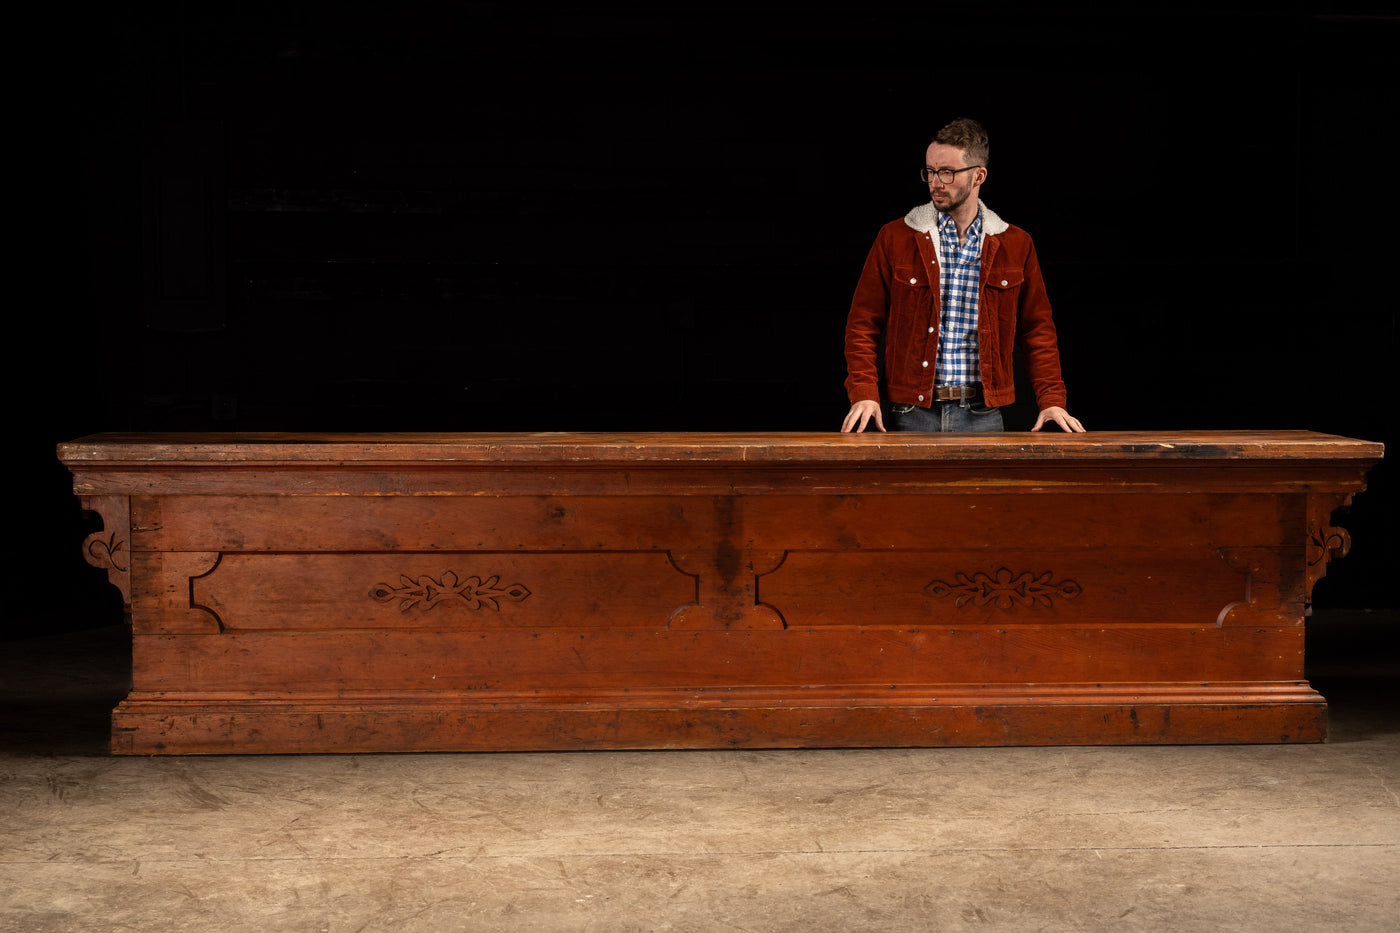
(911, 300)
(1002, 288)
(909, 277)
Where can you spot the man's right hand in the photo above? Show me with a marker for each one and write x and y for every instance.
(860, 415)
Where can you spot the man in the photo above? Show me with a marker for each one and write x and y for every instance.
(949, 290)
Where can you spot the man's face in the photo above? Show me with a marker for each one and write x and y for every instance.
(948, 198)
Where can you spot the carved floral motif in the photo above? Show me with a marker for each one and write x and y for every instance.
(1326, 544)
(107, 551)
(429, 593)
(1004, 588)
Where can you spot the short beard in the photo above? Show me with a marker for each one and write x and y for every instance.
(952, 205)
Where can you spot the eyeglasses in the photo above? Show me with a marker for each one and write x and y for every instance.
(945, 175)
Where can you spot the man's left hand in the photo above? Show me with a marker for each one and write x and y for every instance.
(1061, 417)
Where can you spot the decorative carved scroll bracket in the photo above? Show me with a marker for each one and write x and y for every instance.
(426, 593)
(1004, 589)
(110, 548)
(726, 584)
(1325, 542)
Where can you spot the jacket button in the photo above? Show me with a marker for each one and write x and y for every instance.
(930, 330)
(925, 364)
(921, 398)
(1003, 281)
(916, 282)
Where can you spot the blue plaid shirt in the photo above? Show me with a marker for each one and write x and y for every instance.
(959, 268)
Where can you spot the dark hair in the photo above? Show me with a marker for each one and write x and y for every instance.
(967, 135)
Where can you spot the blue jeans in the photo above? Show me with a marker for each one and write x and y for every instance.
(970, 416)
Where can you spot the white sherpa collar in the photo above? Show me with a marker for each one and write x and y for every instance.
(924, 219)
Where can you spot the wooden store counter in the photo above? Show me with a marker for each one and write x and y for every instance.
(411, 592)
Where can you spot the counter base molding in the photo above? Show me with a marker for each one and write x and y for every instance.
(474, 592)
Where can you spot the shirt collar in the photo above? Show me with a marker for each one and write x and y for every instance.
(948, 229)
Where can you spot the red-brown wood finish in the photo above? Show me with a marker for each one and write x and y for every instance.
(424, 592)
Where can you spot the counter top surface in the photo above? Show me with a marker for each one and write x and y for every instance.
(645, 447)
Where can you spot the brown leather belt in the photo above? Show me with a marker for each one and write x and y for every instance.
(956, 393)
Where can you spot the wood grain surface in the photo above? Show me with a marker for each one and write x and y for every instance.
(415, 592)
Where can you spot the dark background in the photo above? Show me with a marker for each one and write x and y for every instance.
(518, 217)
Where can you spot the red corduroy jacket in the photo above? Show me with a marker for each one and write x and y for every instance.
(896, 301)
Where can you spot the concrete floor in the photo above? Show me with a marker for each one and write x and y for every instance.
(1270, 838)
